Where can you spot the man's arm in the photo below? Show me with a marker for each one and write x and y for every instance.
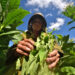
(22, 48)
(12, 55)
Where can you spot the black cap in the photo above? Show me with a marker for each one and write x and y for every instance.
(41, 17)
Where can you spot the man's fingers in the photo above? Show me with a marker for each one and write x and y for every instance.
(21, 52)
(30, 41)
(52, 59)
(53, 64)
(53, 53)
(29, 45)
(24, 48)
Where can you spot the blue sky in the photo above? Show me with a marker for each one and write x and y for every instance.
(52, 11)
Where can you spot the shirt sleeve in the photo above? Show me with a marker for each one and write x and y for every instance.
(12, 55)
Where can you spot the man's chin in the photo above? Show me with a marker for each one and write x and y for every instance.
(37, 31)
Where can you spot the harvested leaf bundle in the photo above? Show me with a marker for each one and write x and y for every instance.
(36, 64)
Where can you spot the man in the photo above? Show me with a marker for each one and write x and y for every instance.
(36, 25)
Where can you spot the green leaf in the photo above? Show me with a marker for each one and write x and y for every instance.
(43, 70)
(42, 54)
(60, 37)
(24, 64)
(14, 25)
(13, 4)
(16, 15)
(0, 9)
(69, 69)
(32, 71)
(3, 4)
(10, 32)
(70, 22)
(4, 41)
(72, 28)
(18, 64)
(46, 39)
(66, 38)
(70, 13)
(17, 38)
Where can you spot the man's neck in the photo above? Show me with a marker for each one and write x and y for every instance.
(36, 34)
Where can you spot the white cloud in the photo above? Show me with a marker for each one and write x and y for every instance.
(36, 9)
(26, 30)
(39, 3)
(57, 25)
(60, 4)
(49, 15)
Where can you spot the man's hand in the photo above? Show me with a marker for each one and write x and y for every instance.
(53, 59)
(25, 46)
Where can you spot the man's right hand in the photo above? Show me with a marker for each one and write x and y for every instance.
(25, 46)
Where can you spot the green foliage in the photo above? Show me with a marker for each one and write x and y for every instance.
(10, 21)
(15, 16)
(3, 4)
(36, 64)
(10, 17)
(66, 44)
(66, 65)
(68, 70)
(63, 66)
(70, 12)
(13, 4)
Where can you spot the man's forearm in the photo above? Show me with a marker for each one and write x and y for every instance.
(12, 55)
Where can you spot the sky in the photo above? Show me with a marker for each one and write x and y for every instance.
(52, 11)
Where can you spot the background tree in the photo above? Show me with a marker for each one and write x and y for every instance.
(70, 13)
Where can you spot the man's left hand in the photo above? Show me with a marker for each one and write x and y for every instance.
(53, 59)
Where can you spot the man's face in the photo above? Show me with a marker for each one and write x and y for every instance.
(37, 25)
